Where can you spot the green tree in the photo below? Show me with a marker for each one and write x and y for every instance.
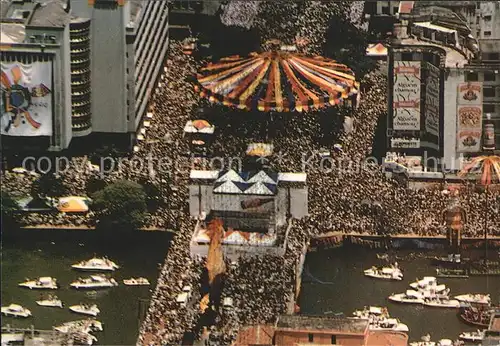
(9, 207)
(49, 185)
(122, 203)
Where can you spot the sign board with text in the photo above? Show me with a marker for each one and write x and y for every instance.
(431, 108)
(406, 95)
(469, 117)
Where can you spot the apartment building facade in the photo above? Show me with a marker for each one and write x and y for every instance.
(108, 53)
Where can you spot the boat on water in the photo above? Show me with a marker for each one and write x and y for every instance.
(409, 297)
(136, 282)
(379, 319)
(442, 342)
(86, 326)
(483, 299)
(426, 341)
(15, 310)
(386, 273)
(477, 315)
(442, 303)
(452, 273)
(472, 336)
(81, 338)
(428, 283)
(449, 260)
(44, 282)
(94, 281)
(85, 309)
(96, 264)
(50, 301)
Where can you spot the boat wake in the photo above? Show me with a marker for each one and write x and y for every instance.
(313, 279)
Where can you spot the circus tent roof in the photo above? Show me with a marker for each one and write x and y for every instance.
(264, 177)
(277, 81)
(230, 175)
(251, 183)
(227, 187)
(260, 188)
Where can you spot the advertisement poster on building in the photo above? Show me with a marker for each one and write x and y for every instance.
(469, 117)
(431, 107)
(26, 102)
(469, 126)
(470, 93)
(406, 95)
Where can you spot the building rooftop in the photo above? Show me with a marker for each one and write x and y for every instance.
(51, 13)
(446, 3)
(255, 335)
(12, 33)
(387, 338)
(453, 57)
(321, 323)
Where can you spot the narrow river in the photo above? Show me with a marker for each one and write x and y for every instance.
(30, 254)
(333, 282)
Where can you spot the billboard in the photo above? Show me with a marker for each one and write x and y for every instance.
(469, 117)
(406, 95)
(26, 102)
(431, 107)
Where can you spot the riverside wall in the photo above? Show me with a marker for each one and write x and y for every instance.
(400, 241)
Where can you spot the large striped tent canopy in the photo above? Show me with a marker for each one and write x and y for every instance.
(277, 81)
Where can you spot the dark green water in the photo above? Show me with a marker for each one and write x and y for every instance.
(30, 254)
(333, 281)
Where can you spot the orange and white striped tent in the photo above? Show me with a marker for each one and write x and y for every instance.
(277, 81)
(376, 49)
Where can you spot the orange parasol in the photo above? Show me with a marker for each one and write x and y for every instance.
(487, 165)
(200, 124)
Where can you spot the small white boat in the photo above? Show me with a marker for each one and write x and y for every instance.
(409, 297)
(86, 326)
(388, 324)
(472, 336)
(15, 310)
(44, 282)
(428, 284)
(379, 319)
(96, 264)
(94, 281)
(136, 281)
(370, 311)
(442, 342)
(50, 301)
(81, 338)
(483, 299)
(85, 309)
(442, 303)
(386, 273)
